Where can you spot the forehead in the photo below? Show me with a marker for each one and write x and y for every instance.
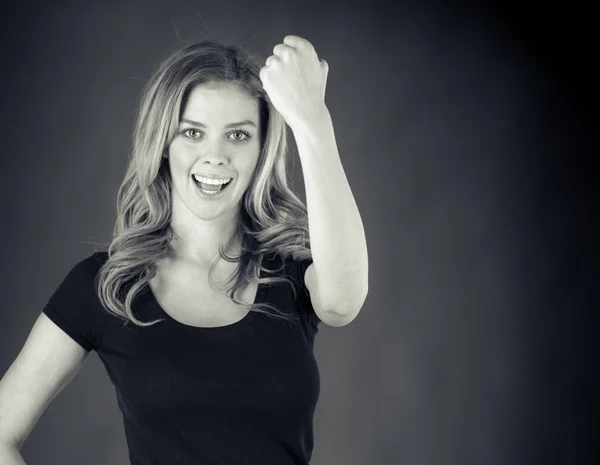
(224, 103)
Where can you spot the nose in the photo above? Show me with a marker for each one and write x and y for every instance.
(214, 154)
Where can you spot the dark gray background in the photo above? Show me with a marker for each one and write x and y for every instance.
(466, 134)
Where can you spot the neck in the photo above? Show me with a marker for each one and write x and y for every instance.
(199, 242)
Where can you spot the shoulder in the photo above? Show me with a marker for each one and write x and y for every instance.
(83, 273)
(88, 267)
(74, 305)
(296, 271)
(78, 283)
(96, 259)
(295, 268)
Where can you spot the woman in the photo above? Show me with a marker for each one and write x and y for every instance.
(208, 237)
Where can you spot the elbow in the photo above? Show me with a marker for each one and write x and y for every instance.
(348, 305)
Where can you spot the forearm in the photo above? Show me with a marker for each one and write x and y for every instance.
(337, 236)
(10, 455)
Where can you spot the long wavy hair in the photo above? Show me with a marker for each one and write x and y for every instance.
(273, 220)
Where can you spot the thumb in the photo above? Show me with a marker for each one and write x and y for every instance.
(325, 68)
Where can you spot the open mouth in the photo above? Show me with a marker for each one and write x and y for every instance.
(211, 189)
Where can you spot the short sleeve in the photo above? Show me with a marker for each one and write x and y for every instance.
(74, 308)
(303, 297)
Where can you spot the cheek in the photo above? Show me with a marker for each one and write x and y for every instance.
(180, 156)
(249, 172)
(245, 161)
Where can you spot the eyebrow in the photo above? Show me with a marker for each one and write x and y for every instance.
(230, 125)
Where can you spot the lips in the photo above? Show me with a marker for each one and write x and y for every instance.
(211, 193)
(212, 175)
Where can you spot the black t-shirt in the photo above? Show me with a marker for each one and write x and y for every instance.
(244, 393)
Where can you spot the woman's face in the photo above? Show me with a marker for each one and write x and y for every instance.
(218, 137)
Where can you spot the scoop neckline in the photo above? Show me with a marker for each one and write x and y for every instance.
(245, 320)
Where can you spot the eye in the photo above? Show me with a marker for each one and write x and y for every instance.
(242, 135)
(191, 133)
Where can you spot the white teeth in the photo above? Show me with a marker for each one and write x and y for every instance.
(211, 181)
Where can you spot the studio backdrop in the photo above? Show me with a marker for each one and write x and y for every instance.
(467, 144)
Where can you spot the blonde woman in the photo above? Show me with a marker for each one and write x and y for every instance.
(205, 306)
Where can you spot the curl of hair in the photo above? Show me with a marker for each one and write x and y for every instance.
(273, 220)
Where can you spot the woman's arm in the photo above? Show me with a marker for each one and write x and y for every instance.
(295, 79)
(10, 455)
(48, 361)
(337, 234)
